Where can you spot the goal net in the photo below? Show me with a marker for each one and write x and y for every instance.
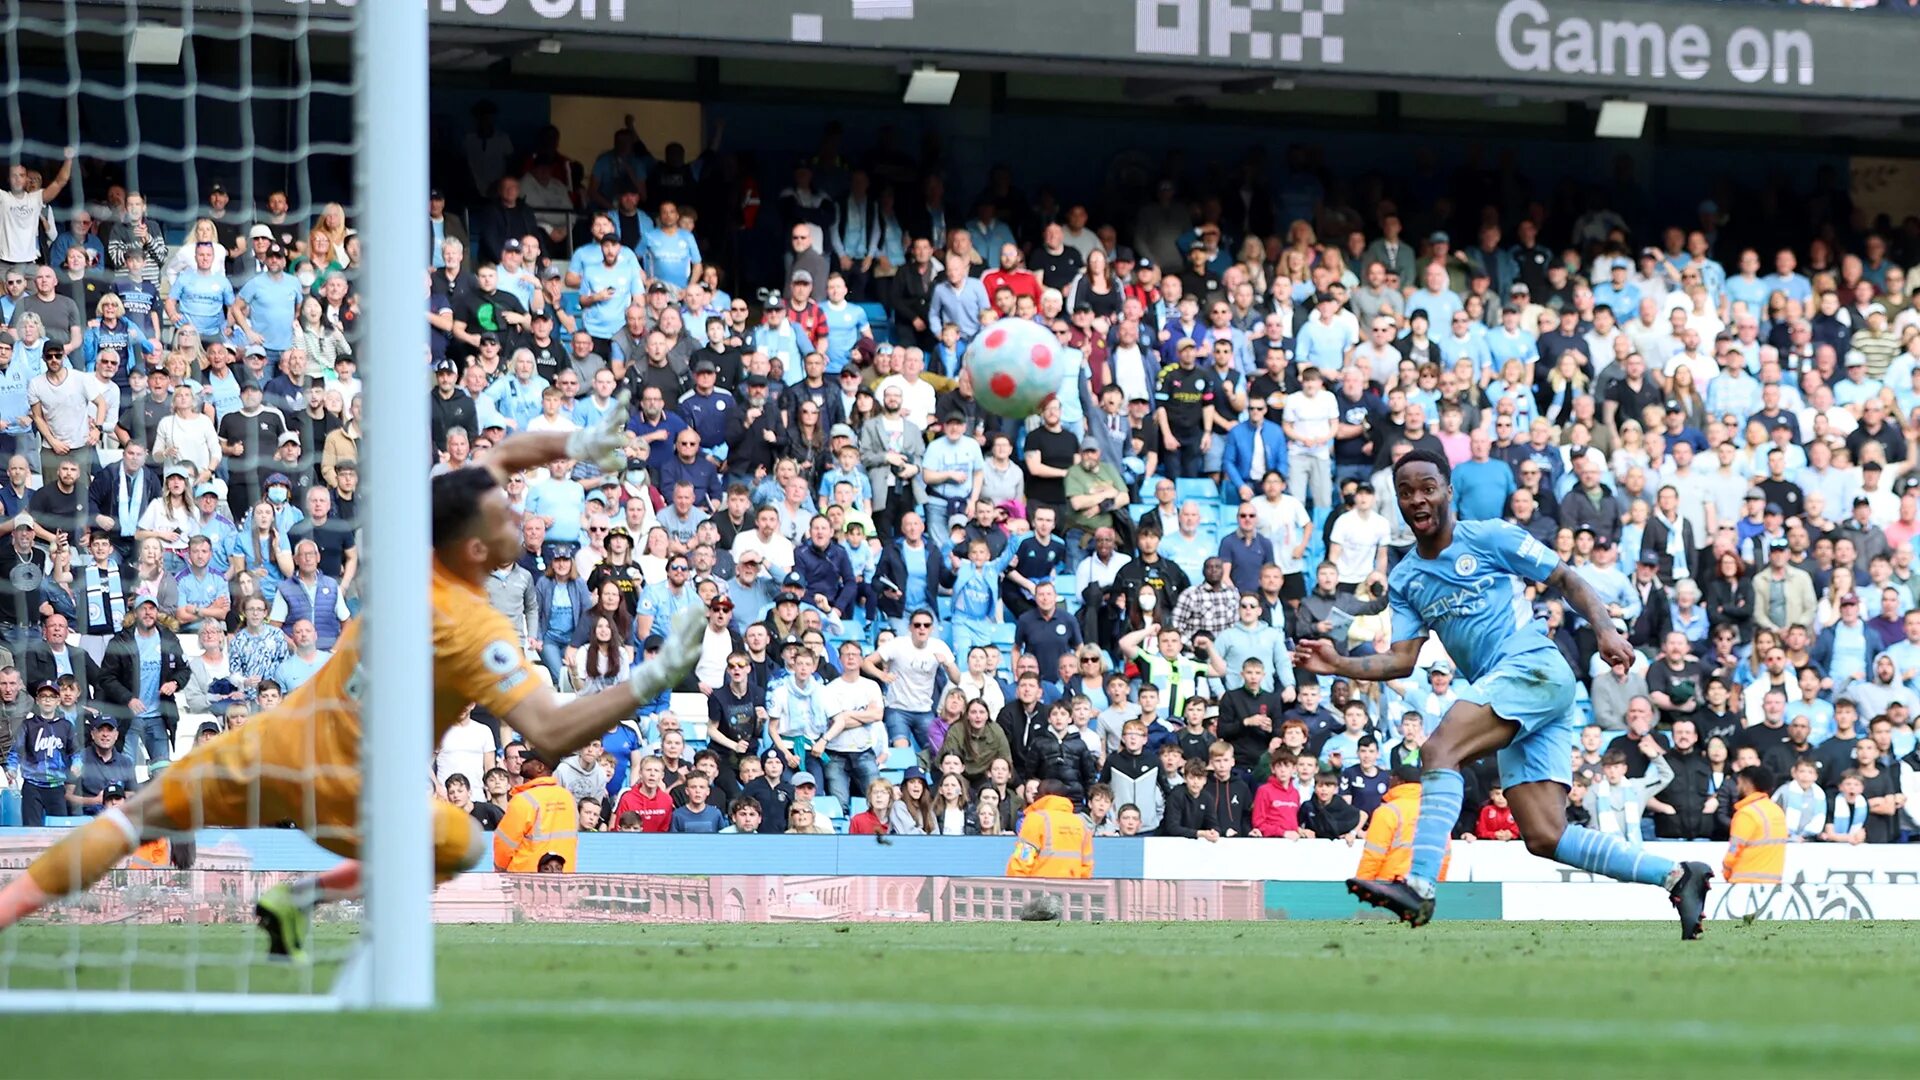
(204, 197)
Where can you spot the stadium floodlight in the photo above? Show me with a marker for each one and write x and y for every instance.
(1620, 120)
(929, 85)
(110, 949)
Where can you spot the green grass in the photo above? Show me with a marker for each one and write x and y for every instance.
(1457, 1000)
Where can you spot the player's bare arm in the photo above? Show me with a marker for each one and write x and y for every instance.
(561, 727)
(1319, 656)
(1580, 596)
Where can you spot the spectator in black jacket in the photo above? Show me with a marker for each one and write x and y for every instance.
(1190, 809)
(1328, 816)
(1679, 811)
(1022, 718)
(893, 577)
(1059, 753)
(505, 218)
(144, 704)
(1232, 799)
(55, 653)
(1249, 719)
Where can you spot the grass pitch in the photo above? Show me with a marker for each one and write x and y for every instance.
(1057, 1000)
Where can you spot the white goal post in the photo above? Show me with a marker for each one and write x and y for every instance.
(390, 965)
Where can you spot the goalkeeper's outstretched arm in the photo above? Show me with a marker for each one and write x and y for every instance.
(561, 727)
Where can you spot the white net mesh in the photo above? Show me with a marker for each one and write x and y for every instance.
(234, 118)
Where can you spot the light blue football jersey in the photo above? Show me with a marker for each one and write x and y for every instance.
(1466, 595)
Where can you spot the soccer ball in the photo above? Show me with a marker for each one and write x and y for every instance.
(1016, 367)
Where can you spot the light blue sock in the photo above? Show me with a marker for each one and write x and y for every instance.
(1439, 808)
(1601, 853)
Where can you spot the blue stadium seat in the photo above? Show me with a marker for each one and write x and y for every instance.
(898, 758)
(1196, 488)
(828, 805)
(1001, 634)
(882, 321)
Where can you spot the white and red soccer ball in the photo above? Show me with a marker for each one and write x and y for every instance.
(1016, 366)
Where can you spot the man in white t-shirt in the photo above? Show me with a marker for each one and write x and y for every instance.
(912, 664)
(1357, 546)
(856, 730)
(1309, 420)
(1284, 521)
(468, 749)
(21, 215)
(917, 396)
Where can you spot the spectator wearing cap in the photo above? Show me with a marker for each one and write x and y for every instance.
(267, 308)
(1601, 571)
(101, 767)
(709, 411)
(542, 819)
(953, 470)
(1095, 492)
(1844, 648)
(141, 672)
(46, 753)
(1858, 387)
(1869, 540)
(1876, 341)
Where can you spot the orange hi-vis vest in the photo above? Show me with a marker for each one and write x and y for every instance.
(1054, 842)
(1757, 848)
(541, 819)
(1389, 849)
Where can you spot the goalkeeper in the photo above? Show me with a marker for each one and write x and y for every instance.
(300, 761)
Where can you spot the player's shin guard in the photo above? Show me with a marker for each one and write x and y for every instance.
(1611, 856)
(77, 860)
(1440, 795)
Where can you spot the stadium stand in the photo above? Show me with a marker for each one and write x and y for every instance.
(1712, 414)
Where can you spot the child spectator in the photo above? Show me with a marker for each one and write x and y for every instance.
(1276, 806)
(1847, 817)
(1099, 814)
(1132, 777)
(1232, 804)
(1577, 813)
(1496, 818)
(744, 814)
(1619, 804)
(1804, 802)
(1365, 784)
(1194, 738)
(696, 816)
(1129, 821)
(1190, 809)
(1329, 816)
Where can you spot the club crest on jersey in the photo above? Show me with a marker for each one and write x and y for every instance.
(1465, 565)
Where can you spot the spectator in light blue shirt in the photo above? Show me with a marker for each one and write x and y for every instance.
(1617, 292)
(1435, 298)
(847, 323)
(1615, 590)
(958, 299)
(671, 254)
(1784, 279)
(1733, 390)
(1324, 339)
(1463, 342)
(608, 286)
(989, 234)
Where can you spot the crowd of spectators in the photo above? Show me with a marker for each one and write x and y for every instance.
(918, 611)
